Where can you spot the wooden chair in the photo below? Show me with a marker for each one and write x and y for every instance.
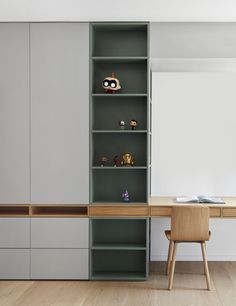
(188, 224)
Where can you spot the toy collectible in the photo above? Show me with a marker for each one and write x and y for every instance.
(111, 84)
(125, 196)
(116, 161)
(133, 124)
(104, 161)
(127, 160)
(122, 124)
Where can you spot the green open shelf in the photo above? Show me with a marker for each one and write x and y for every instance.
(110, 145)
(122, 264)
(132, 75)
(119, 108)
(108, 186)
(109, 37)
(119, 232)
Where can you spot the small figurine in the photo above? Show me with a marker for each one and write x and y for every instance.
(133, 124)
(111, 84)
(128, 160)
(116, 161)
(104, 161)
(121, 124)
(125, 196)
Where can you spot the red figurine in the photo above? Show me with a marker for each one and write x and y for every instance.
(116, 161)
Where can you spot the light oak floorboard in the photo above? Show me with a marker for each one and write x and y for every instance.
(189, 288)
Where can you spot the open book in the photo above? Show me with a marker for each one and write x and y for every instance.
(199, 199)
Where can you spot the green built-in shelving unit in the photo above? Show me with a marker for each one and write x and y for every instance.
(121, 48)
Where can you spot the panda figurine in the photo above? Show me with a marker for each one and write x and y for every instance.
(111, 84)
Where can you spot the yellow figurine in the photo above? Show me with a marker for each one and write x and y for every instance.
(127, 160)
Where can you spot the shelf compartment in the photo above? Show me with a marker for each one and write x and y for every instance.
(110, 145)
(117, 168)
(119, 131)
(132, 76)
(118, 233)
(118, 264)
(59, 211)
(119, 59)
(107, 39)
(14, 210)
(119, 95)
(121, 246)
(121, 108)
(109, 185)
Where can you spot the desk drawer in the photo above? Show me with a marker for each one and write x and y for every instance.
(215, 212)
(118, 210)
(229, 212)
(166, 211)
(160, 211)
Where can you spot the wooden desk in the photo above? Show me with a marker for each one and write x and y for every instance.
(162, 207)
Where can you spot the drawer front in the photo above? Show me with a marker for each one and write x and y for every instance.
(229, 212)
(14, 264)
(215, 212)
(14, 232)
(167, 211)
(119, 211)
(160, 211)
(59, 264)
(59, 233)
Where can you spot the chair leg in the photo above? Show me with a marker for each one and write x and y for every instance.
(172, 269)
(203, 246)
(170, 254)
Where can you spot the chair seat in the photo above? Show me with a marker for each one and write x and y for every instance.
(168, 236)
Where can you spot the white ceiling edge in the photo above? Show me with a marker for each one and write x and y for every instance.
(123, 10)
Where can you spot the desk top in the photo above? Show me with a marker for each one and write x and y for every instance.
(230, 202)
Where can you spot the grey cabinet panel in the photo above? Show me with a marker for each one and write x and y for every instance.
(14, 232)
(14, 264)
(59, 264)
(59, 233)
(60, 112)
(14, 113)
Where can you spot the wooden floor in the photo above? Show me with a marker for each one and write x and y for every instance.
(189, 289)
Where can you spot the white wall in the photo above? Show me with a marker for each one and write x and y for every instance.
(90, 10)
(194, 149)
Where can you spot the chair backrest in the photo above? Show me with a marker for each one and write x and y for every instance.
(190, 223)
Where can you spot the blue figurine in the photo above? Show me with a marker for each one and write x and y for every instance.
(125, 196)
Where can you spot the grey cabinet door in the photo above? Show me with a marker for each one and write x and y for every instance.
(59, 233)
(14, 264)
(14, 113)
(60, 113)
(14, 232)
(59, 264)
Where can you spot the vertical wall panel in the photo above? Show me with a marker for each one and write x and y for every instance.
(14, 113)
(60, 112)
